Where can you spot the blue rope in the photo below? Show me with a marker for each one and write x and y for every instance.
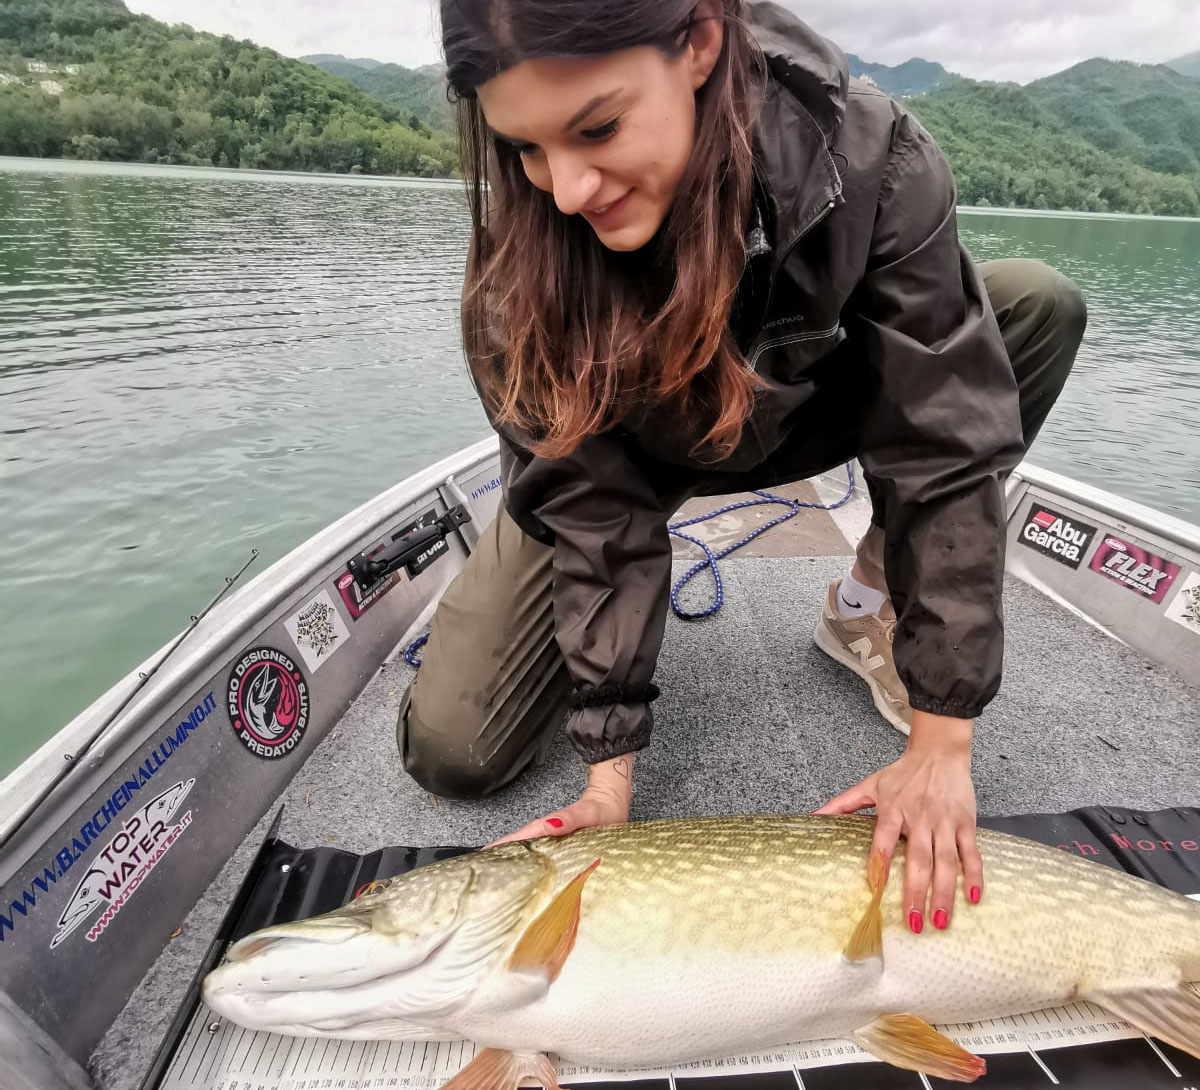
(711, 558)
(410, 652)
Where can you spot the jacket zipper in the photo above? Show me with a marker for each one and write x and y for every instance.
(753, 361)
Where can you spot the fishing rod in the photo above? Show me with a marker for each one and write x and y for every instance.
(72, 760)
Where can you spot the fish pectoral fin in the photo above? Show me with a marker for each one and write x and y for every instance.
(906, 1041)
(1170, 1012)
(549, 939)
(496, 1069)
(867, 940)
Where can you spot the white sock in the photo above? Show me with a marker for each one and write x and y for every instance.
(856, 600)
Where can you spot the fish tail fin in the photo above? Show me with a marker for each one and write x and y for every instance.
(1189, 941)
(1170, 1012)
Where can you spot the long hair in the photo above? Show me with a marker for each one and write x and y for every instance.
(564, 337)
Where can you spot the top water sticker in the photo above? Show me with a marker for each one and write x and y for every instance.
(1131, 566)
(1056, 536)
(133, 782)
(125, 861)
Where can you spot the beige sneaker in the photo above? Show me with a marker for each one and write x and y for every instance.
(864, 644)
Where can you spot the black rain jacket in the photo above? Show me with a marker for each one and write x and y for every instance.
(870, 323)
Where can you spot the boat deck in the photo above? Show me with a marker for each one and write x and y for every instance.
(752, 718)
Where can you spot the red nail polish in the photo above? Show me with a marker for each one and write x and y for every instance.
(939, 919)
(973, 895)
(554, 823)
(915, 922)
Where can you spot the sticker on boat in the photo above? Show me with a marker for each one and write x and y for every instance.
(267, 699)
(318, 630)
(123, 864)
(1053, 534)
(1184, 608)
(357, 600)
(1131, 566)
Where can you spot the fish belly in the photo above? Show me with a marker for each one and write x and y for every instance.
(707, 939)
(607, 1013)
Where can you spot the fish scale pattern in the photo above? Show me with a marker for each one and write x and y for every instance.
(705, 937)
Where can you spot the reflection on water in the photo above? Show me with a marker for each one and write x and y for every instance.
(1129, 418)
(190, 368)
(196, 363)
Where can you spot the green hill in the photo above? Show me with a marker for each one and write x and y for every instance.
(417, 92)
(320, 59)
(913, 77)
(89, 79)
(1011, 146)
(1188, 65)
(1147, 113)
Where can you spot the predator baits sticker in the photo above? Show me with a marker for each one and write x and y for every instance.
(267, 700)
(317, 630)
(1056, 536)
(1184, 608)
(1131, 566)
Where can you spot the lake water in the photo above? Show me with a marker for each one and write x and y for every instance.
(196, 363)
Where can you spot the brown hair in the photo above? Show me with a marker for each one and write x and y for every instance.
(566, 338)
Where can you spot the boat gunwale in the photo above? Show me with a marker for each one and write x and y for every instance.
(196, 656)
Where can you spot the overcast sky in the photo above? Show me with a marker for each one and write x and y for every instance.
(985, 39)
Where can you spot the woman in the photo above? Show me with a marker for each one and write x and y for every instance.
(705, 260)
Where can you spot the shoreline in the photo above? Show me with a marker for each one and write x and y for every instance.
(31, 164)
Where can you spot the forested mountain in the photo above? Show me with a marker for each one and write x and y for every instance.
(417, 92)
(422, 91)
(1011, 146)
(1149, 114)
(319, 59)
(1188, 65)
(913, 77)
(91, 80)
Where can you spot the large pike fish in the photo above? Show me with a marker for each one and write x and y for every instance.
(672, 941)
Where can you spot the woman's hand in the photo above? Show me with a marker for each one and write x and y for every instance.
(926, 796)
(605, 801)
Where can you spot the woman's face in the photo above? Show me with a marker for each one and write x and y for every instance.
(609, 135)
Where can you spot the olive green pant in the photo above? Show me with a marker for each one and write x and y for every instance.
(493, 686)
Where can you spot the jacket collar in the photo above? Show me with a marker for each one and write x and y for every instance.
(804, 103)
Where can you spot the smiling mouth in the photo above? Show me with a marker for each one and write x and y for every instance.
(606, 209)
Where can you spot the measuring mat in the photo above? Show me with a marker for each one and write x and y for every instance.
(1079, 1047)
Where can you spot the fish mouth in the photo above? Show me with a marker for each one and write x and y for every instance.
(325, 978)
(295, 938)
(288, 973)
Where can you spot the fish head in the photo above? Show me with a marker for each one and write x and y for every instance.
(394, 962)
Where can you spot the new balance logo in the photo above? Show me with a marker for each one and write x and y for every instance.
(862, 648)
